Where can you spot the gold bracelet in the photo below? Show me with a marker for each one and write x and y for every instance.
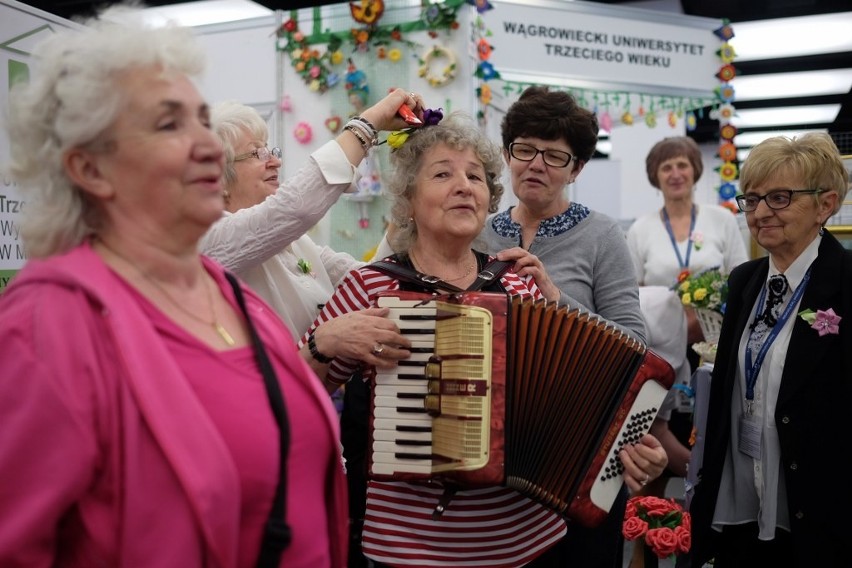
(354, 130)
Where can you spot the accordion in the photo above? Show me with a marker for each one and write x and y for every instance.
(516, 392)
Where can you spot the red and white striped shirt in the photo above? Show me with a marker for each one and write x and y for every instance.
(495, 526)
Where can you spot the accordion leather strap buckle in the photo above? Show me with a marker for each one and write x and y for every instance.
(486, 275)
(428, 279)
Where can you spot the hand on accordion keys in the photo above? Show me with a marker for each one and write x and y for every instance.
(643, 462)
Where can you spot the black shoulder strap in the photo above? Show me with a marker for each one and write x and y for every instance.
(489, 273)
(276, 534)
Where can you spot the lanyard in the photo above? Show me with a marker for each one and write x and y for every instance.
(753, 368)
(680, 261)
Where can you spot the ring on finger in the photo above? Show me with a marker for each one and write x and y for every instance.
(378, 349)
(413, 96)
(645, 481)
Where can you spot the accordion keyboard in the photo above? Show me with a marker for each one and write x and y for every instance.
(431, 413)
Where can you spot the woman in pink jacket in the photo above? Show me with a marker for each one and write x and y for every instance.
(153, 411)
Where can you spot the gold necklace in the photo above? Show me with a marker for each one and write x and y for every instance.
(218, 327)
(465, 275)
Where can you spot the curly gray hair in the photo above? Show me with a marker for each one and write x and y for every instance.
(71, 102)
(458, 131)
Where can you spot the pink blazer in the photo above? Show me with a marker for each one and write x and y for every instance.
(106, 456)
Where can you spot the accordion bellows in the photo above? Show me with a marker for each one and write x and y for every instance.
(514, 392)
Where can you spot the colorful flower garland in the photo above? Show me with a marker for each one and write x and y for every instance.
(725, 94)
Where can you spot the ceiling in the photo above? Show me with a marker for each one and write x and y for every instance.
(733, 10)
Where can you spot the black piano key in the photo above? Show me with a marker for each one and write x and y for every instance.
(403, 428)
(412, 456)
(409, 410)
(411, 395)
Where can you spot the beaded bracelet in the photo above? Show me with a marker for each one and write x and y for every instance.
(354, 130)
(365, 128)
(312, 346)
(373, 130)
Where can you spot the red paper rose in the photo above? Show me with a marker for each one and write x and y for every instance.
(664, 525)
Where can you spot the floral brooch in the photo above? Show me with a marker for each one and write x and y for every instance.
(305, 267)
(824, 321)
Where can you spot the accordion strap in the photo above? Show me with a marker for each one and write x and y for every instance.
(492, 271)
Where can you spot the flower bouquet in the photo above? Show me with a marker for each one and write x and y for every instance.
(663, 523)
(707, 292)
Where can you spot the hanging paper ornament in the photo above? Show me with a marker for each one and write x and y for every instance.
(672, 118)
(724, 113)
(481, 5)
(627, 118)
(606, 122)
(726, 53)
(727, 73)
(333, 123)
(367, 11)
(728, 171)
(484, 94)
(728, 131)
(303, 133)
(728, 152)
(725, 93)
(691, 121)
(725, 32)
(651, 120)
(286, 104)
(727, 191)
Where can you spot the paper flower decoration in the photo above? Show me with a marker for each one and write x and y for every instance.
(431, 117)
(481, 5)
(672, 118)
(697, 238)
(707, 289)
(484, 93)
(663, 524)
(333, 123)
(727, 73)
(731, 206)
(395, 55)
(367, 11)
(725, 32)
(728, 152)
(728, 171)
(304, 266)
(728, 131)
(303, 133)
(726, 53)
(725, 93)
(627, 118)
(727, 191)
(825, 322)
(651, 120)
(486, 71)
(606, 122)
(286, 104)
(691, 121)
(484, 49)
(723, 114)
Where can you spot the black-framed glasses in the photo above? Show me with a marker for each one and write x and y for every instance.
(776, 199)
(262, 154)
(527, 153)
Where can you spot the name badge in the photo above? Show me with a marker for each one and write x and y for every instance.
(750, 431)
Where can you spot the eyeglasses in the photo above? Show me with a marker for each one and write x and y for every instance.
(777, 199)
(262, 154)
(527, 153)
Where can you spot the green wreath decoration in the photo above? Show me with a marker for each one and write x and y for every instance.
(447, 74)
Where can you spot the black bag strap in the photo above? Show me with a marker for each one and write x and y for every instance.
(277, 534)
(490, 272)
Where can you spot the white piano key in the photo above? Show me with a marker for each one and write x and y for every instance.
(391, 447)
(394, 435)
(389, 467)
(416, 421)
(400, 388)
(394, 414)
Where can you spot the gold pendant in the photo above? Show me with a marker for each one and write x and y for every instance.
(223, 333)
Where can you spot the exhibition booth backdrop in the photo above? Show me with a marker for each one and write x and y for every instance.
(646, 74)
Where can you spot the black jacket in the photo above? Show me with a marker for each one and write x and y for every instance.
(813, 413)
